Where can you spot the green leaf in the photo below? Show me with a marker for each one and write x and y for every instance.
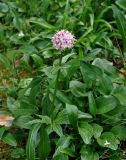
(92, 104)
(121, 24)
(108, 139)
(62, 117)
(57, 128)
(105, 65)
(2, 34)
(106, 104)
(24, 82)
(35, 81)
(46, 103)
(63, 142)
(31, 143)
(45, 5)
(65, 16)
(90, 72)
(61, 157)
(44, 145)
(34, 92)
(97, 130)
(66, 57)
(82, 115)
(62, 96)
(23, 107)
(81, 39)
(28, 49)
(105, 85)
(37, 60)
(88, 154)
(2, 130)
(34, 89)
(46, 119)
(42, 22)
(72, 111)
(3, 7)
(121, 4)
(68, 151)
(5, 61)
(69, 68)
(22, 121)
(35, 121)
(119, 131)
(120, 93)
(9, 139)
(85, 131)
(17, 153)
(77, 88)
(17, 21)
(48, 53)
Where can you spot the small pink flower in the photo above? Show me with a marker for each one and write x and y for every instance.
(63, 40)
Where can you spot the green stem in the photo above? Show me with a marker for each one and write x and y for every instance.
(15, 72)
(56, 85)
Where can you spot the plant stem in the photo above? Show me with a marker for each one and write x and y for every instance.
(15, 72)
(56, 85)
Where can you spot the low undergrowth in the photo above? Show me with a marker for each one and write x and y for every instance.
(64, 105)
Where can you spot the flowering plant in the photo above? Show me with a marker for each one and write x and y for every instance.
(63, 97)
(63, 40)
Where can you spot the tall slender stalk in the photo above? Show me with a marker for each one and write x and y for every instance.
(56, 86)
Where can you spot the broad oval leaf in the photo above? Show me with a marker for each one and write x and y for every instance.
(62, 117)
(88, 154)
(105, 85)
(120, 93)
(119, 131)
(22, 121)
(63, 142)
(9, 139)
(61, 96)
(72, 111)
(4, 7)
(109, 140)
(85, 131)
(77, 88)
(105, 65)
(37, 60)
(90, 72)
(97, 130)
(57, 128)
(106, 104)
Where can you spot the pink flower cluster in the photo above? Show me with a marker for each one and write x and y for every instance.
(63, 40)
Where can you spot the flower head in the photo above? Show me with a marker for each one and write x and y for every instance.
(63, 40)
